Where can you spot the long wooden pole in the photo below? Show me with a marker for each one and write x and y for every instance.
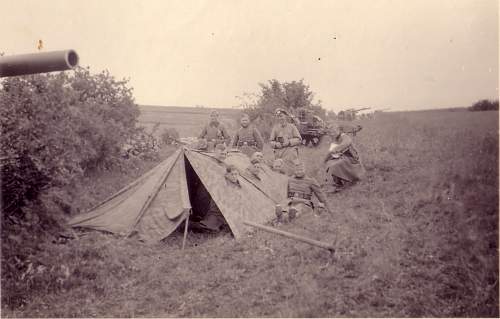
(293, 236)
(185, 229)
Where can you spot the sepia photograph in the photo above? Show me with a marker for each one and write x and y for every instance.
(254, 159)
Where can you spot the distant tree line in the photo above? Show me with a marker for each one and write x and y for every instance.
(484, 105)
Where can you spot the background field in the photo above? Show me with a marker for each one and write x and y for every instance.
(417, 238)
(188, 121)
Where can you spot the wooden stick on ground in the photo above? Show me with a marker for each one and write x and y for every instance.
(293, 236)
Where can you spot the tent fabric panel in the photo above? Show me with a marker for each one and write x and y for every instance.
(169, 207)
(119, 215)
(270, 182)
(155, 226)
(236, 203)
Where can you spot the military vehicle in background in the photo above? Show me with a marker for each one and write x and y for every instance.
(311, 127)
(350, 114)
(33, 63)
(378, 111)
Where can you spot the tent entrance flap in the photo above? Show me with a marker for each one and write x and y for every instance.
(204, 209)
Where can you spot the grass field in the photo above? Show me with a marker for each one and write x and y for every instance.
(187, 121)
(417, 238)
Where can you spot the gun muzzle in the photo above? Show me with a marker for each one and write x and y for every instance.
(37, 63)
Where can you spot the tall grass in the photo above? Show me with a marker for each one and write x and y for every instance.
(418, 237)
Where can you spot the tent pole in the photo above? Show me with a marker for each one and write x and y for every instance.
(185, 229)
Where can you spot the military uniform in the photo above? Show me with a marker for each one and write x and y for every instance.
(207, 214)
(288, 134)
(299, 194)
(248, 140)
(343, 162)
(215, 133)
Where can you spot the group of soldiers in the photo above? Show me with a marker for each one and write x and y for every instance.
(342, 162)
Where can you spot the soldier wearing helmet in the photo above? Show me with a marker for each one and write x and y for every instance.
(284, 140)
(248, 138)
(215, 132)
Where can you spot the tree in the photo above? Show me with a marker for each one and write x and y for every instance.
(287, 95)
(54, 127)
(484, 105)
(274, 94)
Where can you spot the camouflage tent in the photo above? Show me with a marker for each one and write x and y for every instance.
(158, 202)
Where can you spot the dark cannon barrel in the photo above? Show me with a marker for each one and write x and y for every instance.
(32, 63)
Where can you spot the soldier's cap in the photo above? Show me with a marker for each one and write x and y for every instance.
(230, 168)
(245, 115)
(280, 111)
(214, 112)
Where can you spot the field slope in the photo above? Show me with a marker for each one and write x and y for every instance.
(417, 238)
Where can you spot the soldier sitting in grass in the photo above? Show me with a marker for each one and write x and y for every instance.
(284, 140)
(343, 164)
(300, 191)
(248, 139)
(215, 132)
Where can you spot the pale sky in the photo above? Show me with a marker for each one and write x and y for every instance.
(406, 55)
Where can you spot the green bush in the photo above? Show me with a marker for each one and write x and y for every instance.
(484, 105)
(56, 126)
(169, 135)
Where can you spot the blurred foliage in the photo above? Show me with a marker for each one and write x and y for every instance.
(484, 105)
(57, 126)
(169, 135)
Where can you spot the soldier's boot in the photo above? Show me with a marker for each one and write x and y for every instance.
(292, 213)
(279, 212)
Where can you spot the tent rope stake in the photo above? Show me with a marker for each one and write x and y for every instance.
(293, 236)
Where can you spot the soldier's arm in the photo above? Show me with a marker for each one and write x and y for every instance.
(258, 138)
(344, 142)
(272, 139)
(227, 138)
(316, 189)
(296, 138)
(235, 140)
(203, 132)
